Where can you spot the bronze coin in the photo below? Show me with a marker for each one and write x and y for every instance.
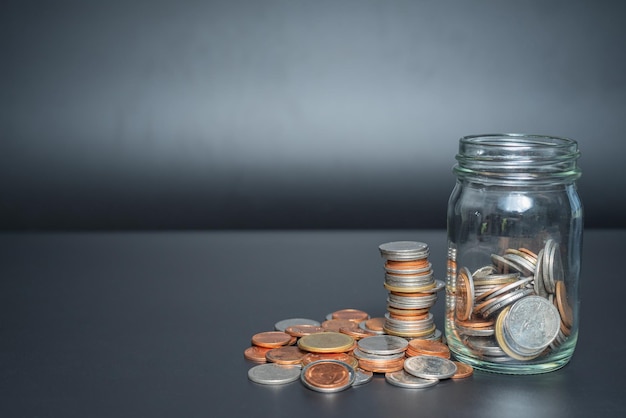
(375, 324)
(285, 355)
(429, 347)
(336, 324)
(271, 339)
(563, 306)
(406, 265)
(256, 354)
(302, 330)
(327, 375)
(343, 357)
(462, 370)
(356, 333)
(351, 314)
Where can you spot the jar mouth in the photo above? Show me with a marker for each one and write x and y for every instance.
(518, 157)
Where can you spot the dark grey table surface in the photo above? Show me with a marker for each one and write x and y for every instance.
(155, 324)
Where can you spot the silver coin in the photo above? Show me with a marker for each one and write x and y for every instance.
(475, 332)
(532, 323)
(362, 355)
(430, 367)
(484, 346)
(404, 250)
(273, 374)
(483, 271)
(549, 251)
(515, 285)
(362, 377)
(505, 300)
(405, 380)
(383, 344)
(522, 265)
(495, 279)
(538, 285)
(286, 323)
(349, 383)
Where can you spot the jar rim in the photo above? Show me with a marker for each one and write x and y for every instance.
(518, 140)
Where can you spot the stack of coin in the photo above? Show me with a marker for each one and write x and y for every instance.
(412, 290)
(485, 297)
(381, 353)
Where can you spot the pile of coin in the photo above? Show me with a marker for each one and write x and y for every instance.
(327, 361)
(412, 290)
(516, 308)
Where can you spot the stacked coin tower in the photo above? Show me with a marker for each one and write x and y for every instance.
(412, 290)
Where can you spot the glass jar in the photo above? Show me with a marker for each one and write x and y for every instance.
(515, 227)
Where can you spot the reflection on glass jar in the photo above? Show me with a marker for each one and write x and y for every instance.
(515, 225)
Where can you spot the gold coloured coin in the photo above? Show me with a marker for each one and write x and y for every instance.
(271, 339)
(326, 342)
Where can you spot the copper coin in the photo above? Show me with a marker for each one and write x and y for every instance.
(343, 357)
(356, 333)
(351, 314)
(565, 310)
(326, 374)
(406, 265)
(285, 355)
(256, 354)
(429, 348)
(271, 339)
(302, 330)
(462, 370)
(407, 312)
(407, 317)
(464, 295)
(375, 324)
(336, 324)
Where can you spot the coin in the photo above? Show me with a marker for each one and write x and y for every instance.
(285, 355)
(463, 370)
(328, 376)
(343, 357)
(373, 325)
(565, 310)
(403, 250)
(464, 294)
(302, 330)
(285, 323)
(403, 379)
(540, 288)
(427, 347)
(501, 301)
(362, 377)
(271, 339)
(350, 314)
(326, 342)
(273, 374)
(382, 344)
(336, 324)
(256, 354)
(532, 323)
(502, 341)
(430, 367)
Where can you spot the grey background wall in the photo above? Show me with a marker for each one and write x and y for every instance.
(292, 114)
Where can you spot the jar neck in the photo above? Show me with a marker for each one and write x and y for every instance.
(517, 159)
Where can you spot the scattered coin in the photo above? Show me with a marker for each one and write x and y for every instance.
(290, 355)
(271, 339)
(273, 374)
(302, 330)
(285, 323)
(328, 376)
(362, 377)
(351, 315)
(463, 370)
(403, 379)
(256, 354)
(326, 342)
(430, 367)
